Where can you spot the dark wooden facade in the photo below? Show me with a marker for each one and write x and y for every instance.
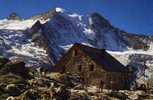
(95, 66)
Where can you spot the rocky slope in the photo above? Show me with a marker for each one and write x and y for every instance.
(18, 82)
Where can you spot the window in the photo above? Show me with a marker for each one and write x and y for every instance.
(79, 68)
(63, 69)
(102, 83)
(75, 52)
(91, 67)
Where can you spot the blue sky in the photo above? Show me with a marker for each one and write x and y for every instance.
(134, 16)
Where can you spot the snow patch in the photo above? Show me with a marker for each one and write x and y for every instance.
(16, 45)
(16, 24)
(89, 33)
(131, 52)
(59, 9)
(74, 15)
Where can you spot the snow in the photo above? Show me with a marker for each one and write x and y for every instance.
(16, 45)
(59, 9)
(16, 24)
(74, 15)
(143, 74)
(29, 50)
(66, 47)
(89, 33)
(131, 52)
(123, 56)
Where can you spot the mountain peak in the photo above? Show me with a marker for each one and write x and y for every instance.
(49, 14)
(14, 16)
(99, 20)
(58, 9)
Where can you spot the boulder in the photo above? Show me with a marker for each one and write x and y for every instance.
(30, 95)
(3, 61)
(11, 79)
(118, 95)
(12, 89)
(17, 68)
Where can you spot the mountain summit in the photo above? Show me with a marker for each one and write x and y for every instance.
(59, 10)
(14, 16)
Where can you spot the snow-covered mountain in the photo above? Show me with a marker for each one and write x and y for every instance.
(44, 38)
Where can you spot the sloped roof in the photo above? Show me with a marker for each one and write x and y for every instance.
(99, 56)
(102, 58)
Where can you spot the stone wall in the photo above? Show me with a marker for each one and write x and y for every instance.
(93, 74)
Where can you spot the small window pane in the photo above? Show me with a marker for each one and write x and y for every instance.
(91, 68)
(75, 52)
(80, 68)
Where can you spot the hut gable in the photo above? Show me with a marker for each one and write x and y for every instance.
(102, 58)
(98, 56)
